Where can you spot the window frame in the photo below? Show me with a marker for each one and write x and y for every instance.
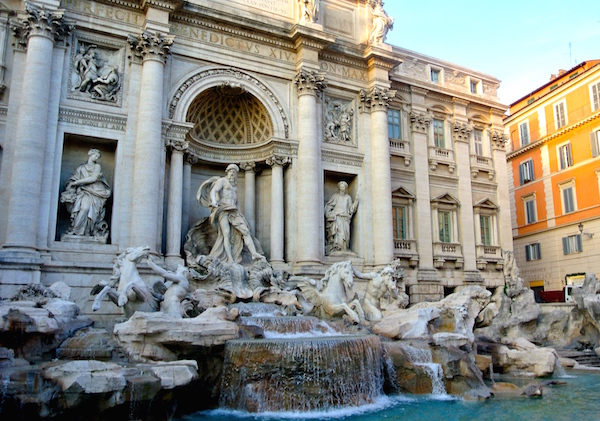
(563, 188)
(564, 161)
(526, 168)
(595, 97)
(439, 75)
(436, 135)
(392, 116)
(534, 217)
(533, 252)
(525, 140)
(562, 103)
(486, 240)
(572, 244)
(400, 225)
(445, 233)
(595, 142)
(478, 142)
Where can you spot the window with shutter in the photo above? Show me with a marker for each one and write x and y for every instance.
(572, 244)
(560, 114)
(595, 142)
(565, 157)
(595, 96)
(524, 133)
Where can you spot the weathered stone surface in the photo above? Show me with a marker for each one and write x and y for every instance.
(87, 377)
(62, 290)
(176, 373)
(537, 362)
(87, 344)
(157, 337)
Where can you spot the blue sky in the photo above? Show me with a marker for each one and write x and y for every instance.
(519, 42)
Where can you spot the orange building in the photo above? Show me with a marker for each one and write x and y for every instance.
(553, 159)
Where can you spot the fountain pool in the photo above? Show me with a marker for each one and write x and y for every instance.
(578, 399)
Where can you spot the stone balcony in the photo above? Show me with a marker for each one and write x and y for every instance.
(443, 252)
(441, 156)
(483, 164)
(401, 148)
(406, 249)
(489, 254)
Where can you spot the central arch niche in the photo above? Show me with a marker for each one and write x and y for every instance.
(229, 115)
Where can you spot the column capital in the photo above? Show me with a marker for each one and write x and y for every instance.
(191, 159)
(278, 160)
(461, 131)
(177, 145)
(151, 45)
(38, 21)
(376, 99)
(247, 166)
(499, 140)
(419, 122)
(309, 82)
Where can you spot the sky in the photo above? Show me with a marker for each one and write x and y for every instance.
(521, 43)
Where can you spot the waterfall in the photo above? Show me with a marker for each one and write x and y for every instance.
(424, 358)
(291, 327)
(301, 374)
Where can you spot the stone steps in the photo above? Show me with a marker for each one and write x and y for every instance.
(587, 358)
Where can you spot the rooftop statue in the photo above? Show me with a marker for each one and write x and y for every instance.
(219, 194)
(85, 196)
(309, 10)
(338, 214)
(382, 23)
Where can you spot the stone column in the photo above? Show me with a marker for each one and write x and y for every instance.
(277, 226)
(187, 188)
(309, 85)
(152, 48)
(499, 141)
(250, 194)
(462, 133)
(175, 140)
(39, 28)
(377, 100)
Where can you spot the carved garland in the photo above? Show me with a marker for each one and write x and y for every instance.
(238, 75)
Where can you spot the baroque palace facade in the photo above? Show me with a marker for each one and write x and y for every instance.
(154, 97)
(554, 174)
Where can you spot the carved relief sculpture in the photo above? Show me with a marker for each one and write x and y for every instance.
(339, 118)
(85, 197)
(338, 215)
(382, 23)
(95, 73)
(309, 10)
(219, 194)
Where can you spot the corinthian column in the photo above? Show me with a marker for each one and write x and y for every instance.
(377, 100)
(152, 48)
(308, 233)
(38, 29)
(178, 145)
(277, 237)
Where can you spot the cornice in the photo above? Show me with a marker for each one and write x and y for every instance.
(93, 119)
(342, 59)
(167, 5)
(344, 158)
(545, 139)
(214, 152)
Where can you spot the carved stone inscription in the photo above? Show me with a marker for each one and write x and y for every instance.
(344, 71)
(246, 46)
(104, 11)
(278, 7)
(96, 71)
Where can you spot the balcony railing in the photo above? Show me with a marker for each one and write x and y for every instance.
(406, 249)
(483, 164)
(447, 252)
(399, 147)
(441, 156)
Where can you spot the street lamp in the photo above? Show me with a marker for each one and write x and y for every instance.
(580, 226)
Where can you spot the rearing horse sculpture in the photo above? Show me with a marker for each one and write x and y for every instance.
(331, 296)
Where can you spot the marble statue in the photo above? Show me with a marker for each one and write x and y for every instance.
(513, 281)
(85, 196)
(379, 284)
(106, 87)
(126, 287)
(175, 294)
(219, 194)
(338, 214)
(333, 295)
(382, 23)
(309, 10)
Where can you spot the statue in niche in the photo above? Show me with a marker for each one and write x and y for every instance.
(219, 194)
(338, 214)
(338, 122)
(85, 197)
(309, 10)
(382, 23)
(94, 75)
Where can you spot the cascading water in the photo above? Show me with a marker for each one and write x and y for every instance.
(424, 358)
(303, 364)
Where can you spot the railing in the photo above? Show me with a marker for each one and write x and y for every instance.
(482, 163)
(449, 251)
(401, 148)
(441, 156)
(406, 249)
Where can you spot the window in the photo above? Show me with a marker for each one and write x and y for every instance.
(565, 158)
(526, 173)
(473, 86)
(560, 114)
(568, 197)
(572, 244)
(445, 224)
(485, 222)
(435, 75)
(595, 96)
(394, 127)
(400, 217)
(524, 133)
(438, 133)
(478, 142)
(530, 211)
(533, 252)
(595, 142)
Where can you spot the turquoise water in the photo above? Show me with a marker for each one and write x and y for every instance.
(579, 399)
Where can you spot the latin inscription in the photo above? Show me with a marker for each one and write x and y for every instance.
(104, 11)
(344, 71)
(249, 47)
(278, 7)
